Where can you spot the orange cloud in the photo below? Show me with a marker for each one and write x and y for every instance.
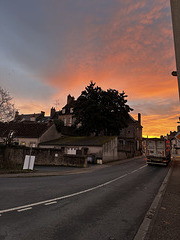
(131, 50)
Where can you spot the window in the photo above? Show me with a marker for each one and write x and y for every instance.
(63, 111)
(32, 144)
(70, 121)
(71, 110)
(64, 121)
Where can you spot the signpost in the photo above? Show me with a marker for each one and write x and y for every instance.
(175, 10)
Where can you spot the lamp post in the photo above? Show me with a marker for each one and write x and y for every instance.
(175, 12)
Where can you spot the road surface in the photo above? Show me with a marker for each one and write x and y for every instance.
(108, 203)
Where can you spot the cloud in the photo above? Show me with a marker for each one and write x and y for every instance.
(58, 47)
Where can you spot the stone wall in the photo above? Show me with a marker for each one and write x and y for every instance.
(2, 152)
(43, 156)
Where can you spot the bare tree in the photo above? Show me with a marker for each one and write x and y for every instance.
(6, 106)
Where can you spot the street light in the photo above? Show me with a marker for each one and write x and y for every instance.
(175, 10)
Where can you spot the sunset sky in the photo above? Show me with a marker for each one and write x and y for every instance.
(52, 48)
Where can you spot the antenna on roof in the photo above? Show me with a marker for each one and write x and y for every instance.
(57, 103)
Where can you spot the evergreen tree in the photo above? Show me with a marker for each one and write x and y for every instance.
(97, 111)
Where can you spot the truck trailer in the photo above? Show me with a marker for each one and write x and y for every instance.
(158, 151)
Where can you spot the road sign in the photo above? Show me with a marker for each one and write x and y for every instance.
(29, 162)
(177, 136)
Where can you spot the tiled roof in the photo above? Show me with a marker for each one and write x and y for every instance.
(79, 141)
(23, 129)
(30, 117)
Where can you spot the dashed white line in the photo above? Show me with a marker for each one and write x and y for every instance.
(28, 206)
(24, 209)
(50, 203)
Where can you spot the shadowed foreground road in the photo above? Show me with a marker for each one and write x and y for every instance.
(107, 203)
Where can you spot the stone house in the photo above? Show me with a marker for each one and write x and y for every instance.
(130, 138)
(100, 148)
(66, 114)
(28, 133)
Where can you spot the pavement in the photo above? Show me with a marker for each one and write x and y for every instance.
(162, 221)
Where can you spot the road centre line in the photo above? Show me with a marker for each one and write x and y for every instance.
(138, 169)
(24, 209)
(69, 195)
(50, 203)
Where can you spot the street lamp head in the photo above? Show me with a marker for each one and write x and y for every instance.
(174, 73)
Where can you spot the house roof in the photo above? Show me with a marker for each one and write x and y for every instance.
(131, 120)
(171, 135)
(23, 129)
(31, 117)
(79, 141)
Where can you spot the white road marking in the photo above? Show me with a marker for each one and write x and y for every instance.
(24, 209)
(50, 203)
(70, 195)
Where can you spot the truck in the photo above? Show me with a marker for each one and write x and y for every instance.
(158, 151)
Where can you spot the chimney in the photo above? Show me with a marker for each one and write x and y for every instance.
(53, 112)
(139, 118)
(16, 114)
(69, 99)
(178, 128)
(42, 113)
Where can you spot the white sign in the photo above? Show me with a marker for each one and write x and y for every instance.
(71, 151)
(29, 162)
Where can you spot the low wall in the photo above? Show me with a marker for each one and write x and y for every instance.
(2, 152)
(43, 156)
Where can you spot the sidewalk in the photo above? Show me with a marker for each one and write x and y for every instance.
(165, 224)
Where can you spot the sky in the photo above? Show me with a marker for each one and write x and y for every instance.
(52, 48)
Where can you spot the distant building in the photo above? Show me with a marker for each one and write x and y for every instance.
(130, 138)
(66, 114)
(28, 133)
(34, 117)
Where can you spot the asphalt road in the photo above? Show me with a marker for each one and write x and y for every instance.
(108, 203)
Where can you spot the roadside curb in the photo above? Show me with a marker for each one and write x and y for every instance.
(153, 210)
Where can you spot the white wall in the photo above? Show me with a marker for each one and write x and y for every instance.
(110, 150)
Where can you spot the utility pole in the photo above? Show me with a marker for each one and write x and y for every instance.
(175, 12)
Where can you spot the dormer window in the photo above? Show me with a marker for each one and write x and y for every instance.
(63, 111)
(71, 110)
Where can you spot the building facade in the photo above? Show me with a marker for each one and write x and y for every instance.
(66, 114)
